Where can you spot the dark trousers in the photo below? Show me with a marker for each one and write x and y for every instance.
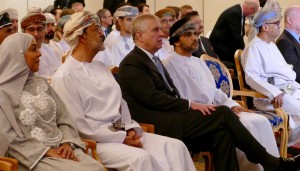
(220, 133)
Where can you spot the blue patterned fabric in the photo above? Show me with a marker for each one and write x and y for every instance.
(220, 76)
(274, 119)
(222, 82)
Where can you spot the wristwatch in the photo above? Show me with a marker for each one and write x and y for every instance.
(72, 146)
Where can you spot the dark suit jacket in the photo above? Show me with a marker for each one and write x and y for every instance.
(227, 34)
(290, 49)
(208, 48)
(148, 98)
(112, 5)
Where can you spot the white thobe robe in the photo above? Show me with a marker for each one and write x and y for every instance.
(119, 49)
(165, 50)
(262, 60)
(195, 82)
(64, 45)
(111, 38)
(50, 60)
(94, 100)
(105, 57)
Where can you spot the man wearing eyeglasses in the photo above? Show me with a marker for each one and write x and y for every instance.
(288, 43)
(105, 20)
(267, 72)
(5, 26)
(167, 19)
(34, 24)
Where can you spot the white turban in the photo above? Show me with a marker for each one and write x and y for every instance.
(13, 13)
(74, 27)
(49, 18)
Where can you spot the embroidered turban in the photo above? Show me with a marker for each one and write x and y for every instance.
(270, 13)
(32, 18)
(4, 20)
(165, 12)
(126, 11)
(74, 27)
(13, 13)
(179, 28)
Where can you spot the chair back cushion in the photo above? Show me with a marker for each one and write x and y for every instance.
(220, 74)
(274, 119)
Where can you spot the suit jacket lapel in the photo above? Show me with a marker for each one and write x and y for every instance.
(150, 63)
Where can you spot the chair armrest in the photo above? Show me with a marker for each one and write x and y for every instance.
(12, 161)
(248, 93)
(91, 145)
(147, 127)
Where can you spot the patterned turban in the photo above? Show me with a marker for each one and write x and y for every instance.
(62, 20)
(74, 27)
(270, 13)
(5, 20)
(13, 13)
(126, 11)
(165, 12)
(179, 28)
(31, 18)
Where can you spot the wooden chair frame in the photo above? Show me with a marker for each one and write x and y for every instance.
(245, 92)
(8, 164)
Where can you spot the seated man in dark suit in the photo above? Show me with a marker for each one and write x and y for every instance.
(288, 43)
(204, 44)
(153, 98)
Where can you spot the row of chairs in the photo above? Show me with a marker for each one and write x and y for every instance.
(278, 117)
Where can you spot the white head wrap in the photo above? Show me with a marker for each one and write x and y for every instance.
(13, 13)
(49, 18)
(14, 73)
(74, 27)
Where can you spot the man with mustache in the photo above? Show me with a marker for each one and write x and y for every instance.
(51, 51)
(204, 44)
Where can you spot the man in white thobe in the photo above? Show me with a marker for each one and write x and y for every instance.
(124, 42)
(167, 18)
(195, 82)
(95, 102)
(52, 52)
(267, 72)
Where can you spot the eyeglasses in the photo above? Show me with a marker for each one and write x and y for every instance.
(276, 23)
(109, 16)
(167, 20)
(38, 29)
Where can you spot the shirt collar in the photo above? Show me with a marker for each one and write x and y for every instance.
(294, 34)
(148, 53)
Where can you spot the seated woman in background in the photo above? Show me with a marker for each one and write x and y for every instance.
(35, 127)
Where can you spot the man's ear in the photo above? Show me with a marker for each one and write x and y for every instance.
(138, 36)
(176, 44)
(82, 38)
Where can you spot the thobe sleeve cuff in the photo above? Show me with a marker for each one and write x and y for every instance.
(134, 125)
(231, 103)
(39, 158)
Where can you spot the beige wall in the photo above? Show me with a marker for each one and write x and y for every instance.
(208, 9)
